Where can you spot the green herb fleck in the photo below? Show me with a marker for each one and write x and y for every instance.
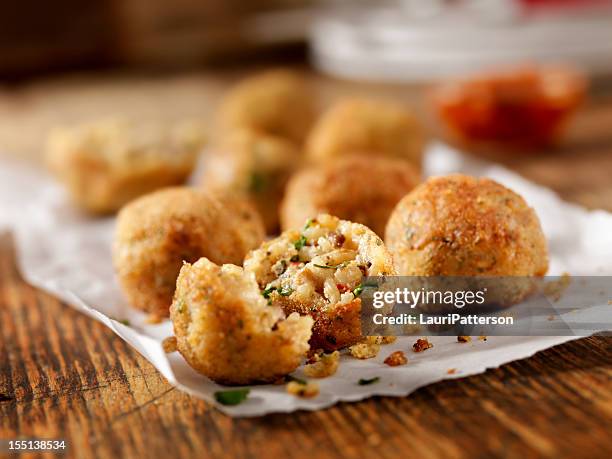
(268, 291)
(308, 223)
(301, 242)
(232, 397)
(359, 289)
(303, 382)
(285, 291)
(257, 182)
(367, 382)
(125, 322)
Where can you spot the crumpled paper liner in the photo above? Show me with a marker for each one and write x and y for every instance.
(69, 255)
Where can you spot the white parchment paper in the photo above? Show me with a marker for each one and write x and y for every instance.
(68, 254)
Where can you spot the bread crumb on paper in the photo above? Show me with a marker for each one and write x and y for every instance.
(170, 344)
(451, 371)
(364, 350)
(308, 390)
(396, 359)
(482, 338)
(324, 365)
(464, 339)
(421, 345)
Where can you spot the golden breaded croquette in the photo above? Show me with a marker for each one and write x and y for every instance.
(464, 226)
(255, 164)
(227, 331)
(108, 163)
(277, 102)
(318, 271)
(156, 233)
(366, 126)
(356, 188)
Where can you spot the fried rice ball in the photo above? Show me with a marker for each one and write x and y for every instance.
(110, 162)
(277, 102)
(156, 233)
(464, 226)
(356, 188)
(318, 271)
(257, 165)
(227, 331)
(366, 126)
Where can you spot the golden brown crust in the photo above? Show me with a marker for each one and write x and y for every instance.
(228, 332)
(108, 163)
(277, 102)
(356, 188)
(256, 165)
(316, 272)
(464, 226)
(366, 126)
(157, 232)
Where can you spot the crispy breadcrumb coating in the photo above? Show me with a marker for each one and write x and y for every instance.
(157, 232)
(364, 350)
(318, 271)
(227, 331)
(463, 226)
(357, 188)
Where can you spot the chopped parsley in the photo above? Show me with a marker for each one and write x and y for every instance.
(308, 223)
(301, 242)
(124, 322)
(232, 397)
(359, 289)
(285, 291)
(268, 291)
(368, 381)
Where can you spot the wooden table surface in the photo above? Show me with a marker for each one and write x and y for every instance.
(63, 375)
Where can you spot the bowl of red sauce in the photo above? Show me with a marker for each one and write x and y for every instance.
(521, 107)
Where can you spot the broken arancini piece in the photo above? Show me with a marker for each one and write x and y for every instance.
(157, 232)
(227, 331)
(318, 271)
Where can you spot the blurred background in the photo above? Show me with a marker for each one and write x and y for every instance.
(72, 60)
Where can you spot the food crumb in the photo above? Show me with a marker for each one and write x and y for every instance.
(308, 390)
(482, 338)
(364, 350)
(464, 339)
(169, 344)
(324, 365)
(396, 358)
(380, 339)
(551, 317)
(451, 371)
(421, 345)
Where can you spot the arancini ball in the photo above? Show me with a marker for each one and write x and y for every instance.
(277, 102)
(156, 233)
(107, 163)
(463, 226)
(355, 188)
(256, 165)
(372, 127)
